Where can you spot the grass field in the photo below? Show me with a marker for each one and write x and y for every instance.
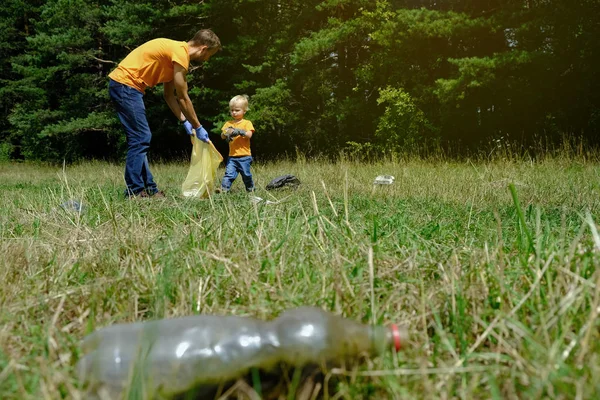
(492, 266)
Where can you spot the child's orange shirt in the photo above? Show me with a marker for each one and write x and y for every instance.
(240, 145)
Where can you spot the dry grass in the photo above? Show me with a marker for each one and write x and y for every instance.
(501, 296)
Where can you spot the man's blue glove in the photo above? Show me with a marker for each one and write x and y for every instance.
(202, 134)
(189, 129)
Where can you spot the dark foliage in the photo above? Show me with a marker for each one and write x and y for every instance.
(322, 76)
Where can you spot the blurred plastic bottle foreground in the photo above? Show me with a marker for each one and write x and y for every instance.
(172, 356)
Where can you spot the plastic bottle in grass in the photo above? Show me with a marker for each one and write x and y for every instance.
(170, 357)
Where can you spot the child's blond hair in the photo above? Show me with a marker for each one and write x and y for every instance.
(239, 100)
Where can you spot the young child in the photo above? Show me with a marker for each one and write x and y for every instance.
(238, 133)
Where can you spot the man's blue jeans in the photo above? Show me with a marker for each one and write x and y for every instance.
(237, 165)
(129, 103)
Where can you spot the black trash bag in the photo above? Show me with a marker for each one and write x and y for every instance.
(284, 181)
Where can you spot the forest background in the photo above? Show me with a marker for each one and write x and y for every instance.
(362, 77)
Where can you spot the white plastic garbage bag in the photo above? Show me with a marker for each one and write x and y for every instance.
(202, 175)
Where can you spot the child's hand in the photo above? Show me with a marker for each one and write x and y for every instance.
(231, 133)
(238, 132)
(227, 134)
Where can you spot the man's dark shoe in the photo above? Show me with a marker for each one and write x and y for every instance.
(132, 196)
(145, 195)
(158, 195)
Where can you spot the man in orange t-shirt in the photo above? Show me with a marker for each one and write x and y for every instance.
(163, 61)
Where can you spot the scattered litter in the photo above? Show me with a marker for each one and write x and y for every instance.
(203, 356)
(73, 206)
(384, 180)
(257, 200)
(283, 181)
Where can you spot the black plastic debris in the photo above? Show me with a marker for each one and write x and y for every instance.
(284, 181)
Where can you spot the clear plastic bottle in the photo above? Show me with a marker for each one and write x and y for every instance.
(384, 180)
(169, 357)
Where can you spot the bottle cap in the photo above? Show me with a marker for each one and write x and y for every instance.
(396, 336)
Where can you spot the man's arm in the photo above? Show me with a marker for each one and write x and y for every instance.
(183, 99)
(169, 95)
